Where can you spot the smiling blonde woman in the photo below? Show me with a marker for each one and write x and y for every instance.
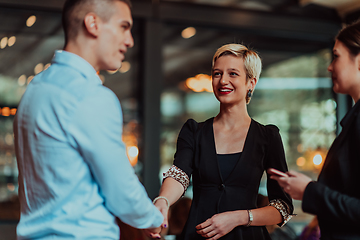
(226, 156)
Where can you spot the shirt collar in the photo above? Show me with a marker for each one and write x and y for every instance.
(78, 63)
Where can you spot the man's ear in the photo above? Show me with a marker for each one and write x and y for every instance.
(91, 22)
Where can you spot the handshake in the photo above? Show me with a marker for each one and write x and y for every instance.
(162, 203)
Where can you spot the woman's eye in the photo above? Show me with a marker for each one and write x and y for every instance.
(233, 74)
(216, 74)
(124, 27)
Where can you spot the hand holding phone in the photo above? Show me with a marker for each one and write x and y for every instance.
(273, 171)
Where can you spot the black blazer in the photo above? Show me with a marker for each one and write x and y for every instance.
(196, 156)
(335, 197)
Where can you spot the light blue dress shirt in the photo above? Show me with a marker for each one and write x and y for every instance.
(74, 175)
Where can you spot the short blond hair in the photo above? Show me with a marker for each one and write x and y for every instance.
(252, 61)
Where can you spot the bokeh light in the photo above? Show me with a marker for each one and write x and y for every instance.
(188, 32)
(31, 21)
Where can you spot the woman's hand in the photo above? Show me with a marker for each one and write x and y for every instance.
(161, 204)
(153, 232)
(294, 183)
(221, 224)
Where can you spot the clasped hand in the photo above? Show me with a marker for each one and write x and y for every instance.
(155, 232)
(221, 224)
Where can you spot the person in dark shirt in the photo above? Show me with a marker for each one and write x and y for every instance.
(335, 197)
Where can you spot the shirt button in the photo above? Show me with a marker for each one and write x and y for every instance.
(221, 187)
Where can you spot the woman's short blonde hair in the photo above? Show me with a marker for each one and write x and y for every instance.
(252, 61)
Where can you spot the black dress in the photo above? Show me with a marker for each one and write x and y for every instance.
(196, 156)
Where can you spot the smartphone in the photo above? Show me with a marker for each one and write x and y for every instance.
(273, 171)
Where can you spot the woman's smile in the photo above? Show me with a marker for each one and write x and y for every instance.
(225, 90)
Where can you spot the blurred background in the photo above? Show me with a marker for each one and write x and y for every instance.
(165, 78)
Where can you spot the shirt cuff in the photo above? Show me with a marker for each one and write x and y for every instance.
(179, 175)
(309, 203)
(284, 210)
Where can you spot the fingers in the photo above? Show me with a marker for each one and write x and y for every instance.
(150, 234)
(217, 236)
(165, 223)
(211, 233)
(283, 181)
(164, 211)
(211, 229)
(155, 235)
(204, 224)
(206, 229)
(273, 171)
(207, 232)
(294, 184)
(292, 173)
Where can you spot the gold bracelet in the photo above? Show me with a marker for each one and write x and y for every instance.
(162, 197)
(251, 218)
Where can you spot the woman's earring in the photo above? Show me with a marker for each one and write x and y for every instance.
(248, 96)
(249, 93)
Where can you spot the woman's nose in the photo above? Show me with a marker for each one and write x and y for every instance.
(330, 68)
(224, 80)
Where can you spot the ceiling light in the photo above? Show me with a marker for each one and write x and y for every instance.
(5, 112)
(38, 68)
(22, 80)
(3, 42)
(11, 41)
(188, 32)
(13, 111)
(31, 20)
(200, 83)
(47, 66)
(29, 79)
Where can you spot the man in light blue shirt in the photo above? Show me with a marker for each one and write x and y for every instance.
(74, 175)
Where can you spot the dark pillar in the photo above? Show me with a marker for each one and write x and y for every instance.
(152, 88)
